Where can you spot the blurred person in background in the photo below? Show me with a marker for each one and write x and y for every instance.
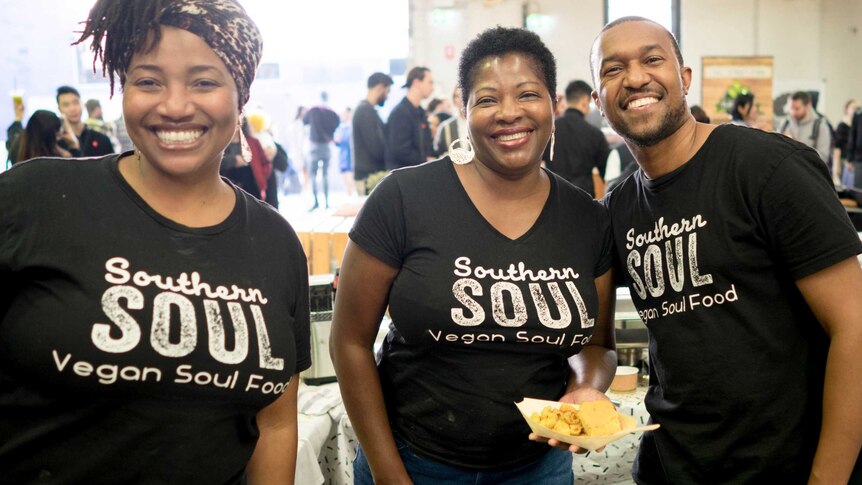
(260, 125)
(17, 125)
(321, 122)
(408, 138)
(92, 142)
(439, 110)
(806, 125)
(369, 133)
(297, 144)
(96, 122)
(40, 139)
(343, 140)
(854, 154)
(580, 149)
(743, 112)
(699, 114)
(844, 169)
(255, 176)
(452, 128)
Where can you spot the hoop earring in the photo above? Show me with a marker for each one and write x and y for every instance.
(553, 141)
(244, 146)
(461, 156)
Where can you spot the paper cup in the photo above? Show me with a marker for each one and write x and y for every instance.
(626, 379)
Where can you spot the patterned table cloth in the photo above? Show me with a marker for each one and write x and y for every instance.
(612, 466)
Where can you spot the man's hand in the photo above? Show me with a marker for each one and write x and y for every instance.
(19, 109)
(68, 134)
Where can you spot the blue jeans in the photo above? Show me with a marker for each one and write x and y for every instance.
(555, 468)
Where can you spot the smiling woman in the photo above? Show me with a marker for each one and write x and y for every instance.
(237, 313)
(486, 243)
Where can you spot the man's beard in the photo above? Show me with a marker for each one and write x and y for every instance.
(381, 101)
(670, 122)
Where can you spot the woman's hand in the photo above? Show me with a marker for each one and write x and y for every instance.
(579, 395)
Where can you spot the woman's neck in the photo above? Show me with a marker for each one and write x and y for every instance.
(201, 201)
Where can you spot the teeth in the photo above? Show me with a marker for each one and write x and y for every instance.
(642, 102)
(179, 136)
(513, 136)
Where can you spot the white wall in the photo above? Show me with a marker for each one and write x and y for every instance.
(565, 34)
(816, 44)
(841, 53)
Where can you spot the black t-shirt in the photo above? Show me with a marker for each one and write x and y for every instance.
(579, 147)
(711, 254)
(479, 320)
(322, 122)
(408, 138)
(134, 349)
(368, 141)
(94, 144)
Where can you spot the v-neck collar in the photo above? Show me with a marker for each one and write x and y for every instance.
(476, 212)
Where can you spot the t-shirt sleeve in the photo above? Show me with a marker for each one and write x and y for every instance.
(380, 225)
(806, 226)
(8, 240)
(302, 318)
(604, 238)
(616, 260)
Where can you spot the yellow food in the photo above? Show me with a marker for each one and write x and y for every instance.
(595, 418)
(599, 418)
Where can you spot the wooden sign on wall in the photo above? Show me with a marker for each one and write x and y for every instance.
(724, 76)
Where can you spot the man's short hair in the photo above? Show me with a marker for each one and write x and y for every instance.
(66, 90)
(91, 105)
(801, 96)
(577, 90)
(634, 18)
(414, 74)
(379, 78)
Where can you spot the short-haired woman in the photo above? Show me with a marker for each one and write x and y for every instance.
(496, 275)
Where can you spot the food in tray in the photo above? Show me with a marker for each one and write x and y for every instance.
(593, 418)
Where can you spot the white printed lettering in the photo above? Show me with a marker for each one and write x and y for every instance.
(160, 332)
(128, 326)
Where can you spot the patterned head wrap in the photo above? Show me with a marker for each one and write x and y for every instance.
(227, 30)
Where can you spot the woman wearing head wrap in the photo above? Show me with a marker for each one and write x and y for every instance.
(158, 316)
(496, 273)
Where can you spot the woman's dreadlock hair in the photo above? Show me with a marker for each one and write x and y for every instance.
(122, 28)
(119, 30)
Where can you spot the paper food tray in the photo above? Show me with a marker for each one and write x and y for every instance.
(529, 406)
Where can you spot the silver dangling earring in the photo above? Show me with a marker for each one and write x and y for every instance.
(244, 146)
(461, 156)
(553, 140)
